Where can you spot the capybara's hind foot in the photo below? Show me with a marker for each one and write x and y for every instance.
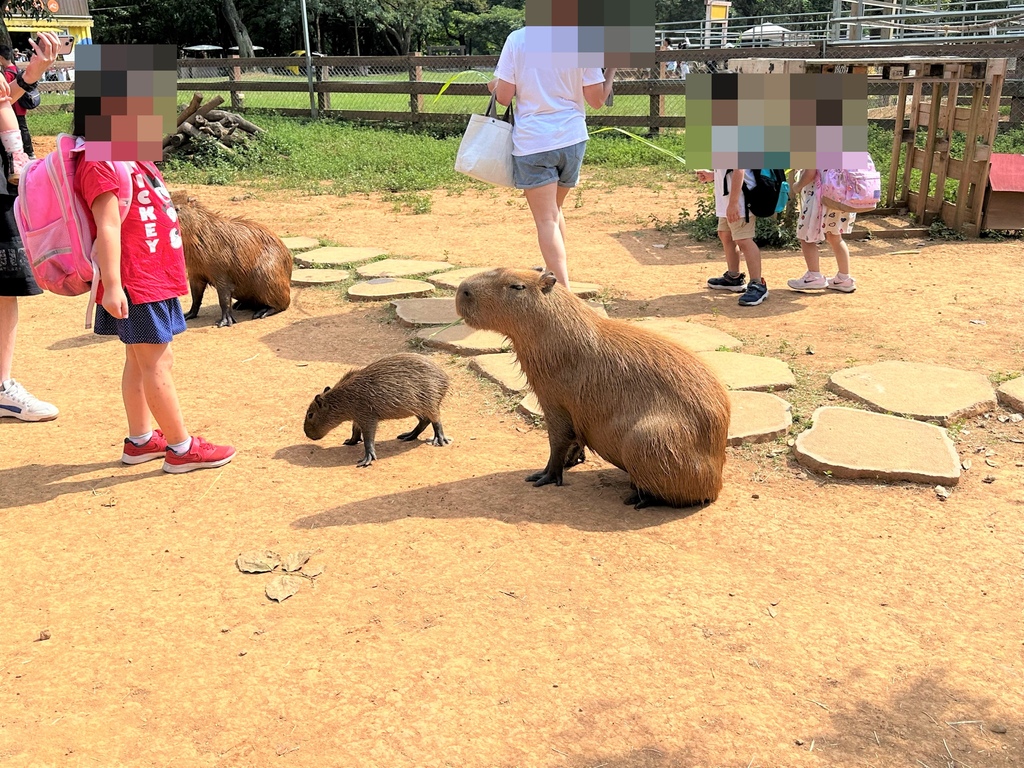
(440, 440)
(367, 460)
(640, 499)
(576, 455)
(355, 441)
(226, 321)
(544, 478)
(263, 312)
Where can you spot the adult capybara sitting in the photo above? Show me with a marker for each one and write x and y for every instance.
(242, 259)
(645, 404)
(393, 387)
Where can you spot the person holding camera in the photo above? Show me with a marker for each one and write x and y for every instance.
(29, 100)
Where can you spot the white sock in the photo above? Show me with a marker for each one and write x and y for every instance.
(12, 141)
(842, 278)
(142, 439)
(5, 385)
(180, 448)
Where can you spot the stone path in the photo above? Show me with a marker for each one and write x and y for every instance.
(454, 277)
(916, 390)
(401, 268)
(318, 276)
(300, 243)
(530, 407)
(855, 444)
(388, 288)
(693, 336)
(584, 290)
(741, 371)
(463, 340)
(335, 256)
(1011, 394)
(758, 417)
(503, 370)
(414, 313)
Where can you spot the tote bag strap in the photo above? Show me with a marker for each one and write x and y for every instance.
(492, 111)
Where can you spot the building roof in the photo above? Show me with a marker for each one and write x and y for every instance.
(1007, 173)
(72, 8)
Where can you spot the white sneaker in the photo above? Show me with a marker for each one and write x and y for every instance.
(849, 285)
(17, 402)
(811, 281)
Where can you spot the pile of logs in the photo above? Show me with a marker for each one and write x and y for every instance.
(205, 121)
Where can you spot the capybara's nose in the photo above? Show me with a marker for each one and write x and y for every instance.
(465, 292)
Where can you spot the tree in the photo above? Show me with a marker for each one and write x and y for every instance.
(158, 21)
(404, 19)
(31, 9)
(238, 30)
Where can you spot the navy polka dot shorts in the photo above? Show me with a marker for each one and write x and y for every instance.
(157, 322)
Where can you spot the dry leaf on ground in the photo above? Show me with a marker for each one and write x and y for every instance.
(258, 561)
(296, 560)
(283, 587)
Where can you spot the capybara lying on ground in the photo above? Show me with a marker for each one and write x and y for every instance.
(645, 404)
(242, 259)
(394, 387)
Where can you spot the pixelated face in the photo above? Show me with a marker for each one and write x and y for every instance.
(590, 33)
(125, 100)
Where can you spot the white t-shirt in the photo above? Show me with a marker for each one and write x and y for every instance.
(722, 200)
(549, 107)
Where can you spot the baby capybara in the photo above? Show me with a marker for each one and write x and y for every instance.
(394, 387)
(242, 259)
(647, 405)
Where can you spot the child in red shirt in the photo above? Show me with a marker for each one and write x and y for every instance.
(142, 272)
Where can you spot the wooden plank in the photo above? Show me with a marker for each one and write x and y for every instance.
(973, 222)
(897, 144)
(942, 156)
(970, 148)
(887, 234)
(912, 152)
(929, 151)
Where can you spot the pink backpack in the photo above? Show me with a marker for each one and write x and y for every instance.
(855, 191)
(54, 221)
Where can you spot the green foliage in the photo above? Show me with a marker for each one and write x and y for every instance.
(776, 232)
(939, 231)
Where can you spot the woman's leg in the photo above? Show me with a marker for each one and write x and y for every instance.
(154, 363)
(545, 206)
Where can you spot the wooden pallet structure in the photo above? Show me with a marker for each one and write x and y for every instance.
(945, 94)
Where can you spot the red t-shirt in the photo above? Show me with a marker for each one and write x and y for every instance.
(152, 260)
(11, 73)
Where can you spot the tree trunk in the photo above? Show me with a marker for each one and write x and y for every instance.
(238, 30)
(356, 17)
(319, 39)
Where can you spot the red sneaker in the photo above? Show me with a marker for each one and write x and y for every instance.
(137, 454)
(200, 455)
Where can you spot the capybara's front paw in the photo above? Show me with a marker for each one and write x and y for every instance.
(226, 321)
(367, 460)
(351, 441)
(192, 315)
(640, 499)
(440, 441)
(544, 478)
(406, 437)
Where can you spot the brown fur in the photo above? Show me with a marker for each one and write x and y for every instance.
(242, 259)
(394, 387)
(645, 404)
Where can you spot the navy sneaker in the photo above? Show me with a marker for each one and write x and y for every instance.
(728, 283)
(755, 294)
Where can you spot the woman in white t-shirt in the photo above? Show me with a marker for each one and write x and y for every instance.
(550, 135)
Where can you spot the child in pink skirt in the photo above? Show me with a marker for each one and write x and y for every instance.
(817, 223)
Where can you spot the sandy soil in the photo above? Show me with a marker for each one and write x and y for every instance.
(464, 618)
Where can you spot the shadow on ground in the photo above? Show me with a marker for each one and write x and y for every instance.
(40, 483)
(590, 501)
(339, 338)
(316, 455)
(76, 342)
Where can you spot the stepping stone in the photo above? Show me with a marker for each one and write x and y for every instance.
(1011, 394)
(417, 312)
(502, 369)
(463, 340)
(584, 290)
(740, 371)
(401, 268)
(335, 256)
(300, 243)
(693, 336)
(598, 307)
(318, 276)
(530, 407)
(452, 278)
(388, 288)
(916, 390)
(758, 417)
(855, 444)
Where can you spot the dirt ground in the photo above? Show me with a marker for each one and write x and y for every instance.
(464, 618)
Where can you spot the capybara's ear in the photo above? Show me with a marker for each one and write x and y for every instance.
(318, 399)
(191, 199)
(547, 281)
(327, 389)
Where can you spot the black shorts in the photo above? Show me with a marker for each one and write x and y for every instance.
(15, 273)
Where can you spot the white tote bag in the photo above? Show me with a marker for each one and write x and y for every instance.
(486, 149)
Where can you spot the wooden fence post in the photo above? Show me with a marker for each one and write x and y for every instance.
(415, 76)
(237, 97)
(657, 102)
(323, 98)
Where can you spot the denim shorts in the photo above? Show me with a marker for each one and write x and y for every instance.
(543, 168)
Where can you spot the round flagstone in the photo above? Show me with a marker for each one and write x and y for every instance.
(916, 390)
(584, 290)
(417, 312)
(741, 371)
(452, 278)
(401, 268)
(463, 340)
(758, 417)
(300, 243)
(502, 369)
(693, 336)
(318, 276)
(855, 444)
(388, 288)
(1011, 394)
(530, 406)
(336, 256)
